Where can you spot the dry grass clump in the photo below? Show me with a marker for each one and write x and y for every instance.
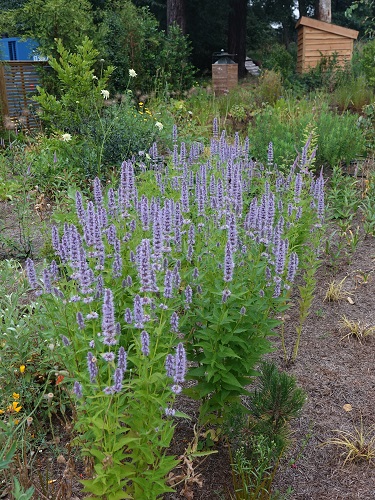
(357, 329)
(336, 291)
(358, 445)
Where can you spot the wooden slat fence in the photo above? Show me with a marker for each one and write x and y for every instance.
(18, 81)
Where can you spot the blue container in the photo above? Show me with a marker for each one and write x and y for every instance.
(16, 49)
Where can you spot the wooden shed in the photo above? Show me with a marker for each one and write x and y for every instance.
(317, 39)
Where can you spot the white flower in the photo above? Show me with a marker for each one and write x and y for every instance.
(66, 137)
(159, 125)
(94, 77)
(132, 73)
(105, 93)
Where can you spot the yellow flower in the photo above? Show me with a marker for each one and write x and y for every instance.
(22, 368)
(2, 411)
(14, 407)
(16, 422)
(15, 395)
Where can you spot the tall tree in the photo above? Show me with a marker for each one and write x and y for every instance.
(325, 11)
(176, 13)
(237, 32)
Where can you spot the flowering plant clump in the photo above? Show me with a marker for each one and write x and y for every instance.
(196, 256)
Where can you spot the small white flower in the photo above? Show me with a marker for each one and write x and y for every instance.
(105, 94)
(94, 77)
(159, 125)
(132, 73)
(66, 137)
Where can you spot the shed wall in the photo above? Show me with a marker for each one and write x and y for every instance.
(314, 43)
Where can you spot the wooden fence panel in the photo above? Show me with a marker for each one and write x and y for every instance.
(18, 81)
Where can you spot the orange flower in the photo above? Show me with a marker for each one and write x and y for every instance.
(59, 379)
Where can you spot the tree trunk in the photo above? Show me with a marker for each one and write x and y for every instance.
(176, 14)
(325, 13)
(237, 33)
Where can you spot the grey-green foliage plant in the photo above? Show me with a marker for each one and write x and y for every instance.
(19, 493)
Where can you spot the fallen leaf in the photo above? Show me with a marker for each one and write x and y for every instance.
(350, 300)
(347, 407)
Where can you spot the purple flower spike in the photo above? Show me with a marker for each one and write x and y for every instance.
(225, 296)
(92, 367)
(174, 322)
(47, 281)
(108, 321)
(188, 295)
(292, 266)
(180, 364)
(128, 316)
(77, 389)
(118, 377)
(108, 356)
(145, 341)
(55, 238)
(31, 274)
(228, 263)
(297, 188)
(170, 365)
(65, 340)
(146, 276)
(98, 197)
(176, 388)
(121, 359)
(169, 412)
(79, 207)
(270, 154)
(139, 317)
(80, 320)
(168, 284)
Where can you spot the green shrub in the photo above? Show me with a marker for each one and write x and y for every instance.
(82, 92)
(278, 59)
(270, 87)
(367, 62)
(340, 138)
(353, 94)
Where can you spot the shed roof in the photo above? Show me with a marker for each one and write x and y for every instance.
(330, 28)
